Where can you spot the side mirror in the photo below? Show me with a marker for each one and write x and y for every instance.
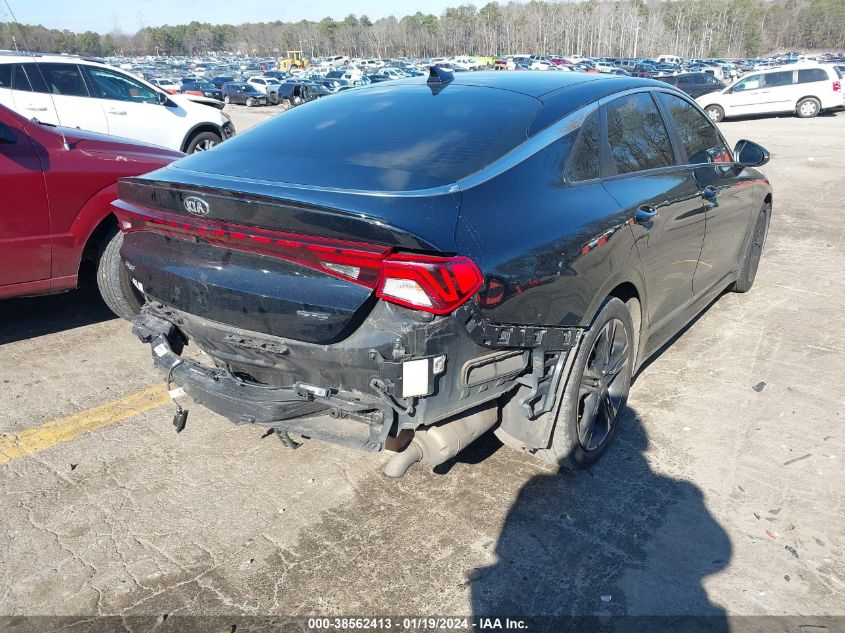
(7, 135)
(750, 154)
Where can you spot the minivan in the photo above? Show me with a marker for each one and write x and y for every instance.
(804, 90)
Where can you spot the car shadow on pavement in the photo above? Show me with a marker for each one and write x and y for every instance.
(616, 540)
(28, 317)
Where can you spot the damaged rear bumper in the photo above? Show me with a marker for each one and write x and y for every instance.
(396, 372)
(301, 409)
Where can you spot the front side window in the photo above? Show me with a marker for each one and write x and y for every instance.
(637, 135)
(113, 85)
(749, 83)
(778, 79)
(698, 135)
(809, 75)
(19, 79)
(584, 164)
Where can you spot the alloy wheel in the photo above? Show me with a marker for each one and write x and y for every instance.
(759, 238)
(604, 385)
(204, 145)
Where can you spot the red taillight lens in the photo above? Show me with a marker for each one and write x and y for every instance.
(837, 86)
(353, 261)
(432, 284)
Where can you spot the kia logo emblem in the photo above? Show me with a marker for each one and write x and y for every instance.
(196, 206)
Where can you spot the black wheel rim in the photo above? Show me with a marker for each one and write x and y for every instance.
(604, 385)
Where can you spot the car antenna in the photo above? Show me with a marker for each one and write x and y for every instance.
(438, 78)
(65, 143)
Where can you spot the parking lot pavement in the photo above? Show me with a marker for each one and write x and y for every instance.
(721, 495)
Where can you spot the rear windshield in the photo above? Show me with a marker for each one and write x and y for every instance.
(396, 138)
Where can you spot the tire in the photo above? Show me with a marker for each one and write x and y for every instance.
(202, 142)
(286, 104)
(716, 113)
(250, 102)
(592, 401)
(113, 280)
(226, 99)
(273, 98)
(808, 108)
(753, 251)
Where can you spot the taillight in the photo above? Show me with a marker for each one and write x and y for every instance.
(429, 283)
(432, 284)
(837, 86)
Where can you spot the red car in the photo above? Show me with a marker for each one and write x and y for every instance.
(56, 213)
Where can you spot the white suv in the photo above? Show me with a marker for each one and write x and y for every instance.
(73, 92)
(804, 90)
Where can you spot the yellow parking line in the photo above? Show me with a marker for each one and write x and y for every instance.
(49, 434)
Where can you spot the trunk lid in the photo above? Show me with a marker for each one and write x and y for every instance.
(265, 256)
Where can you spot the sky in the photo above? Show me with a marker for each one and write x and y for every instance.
(128, 16)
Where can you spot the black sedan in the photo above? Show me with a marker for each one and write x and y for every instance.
(418, 261)
(244, 93)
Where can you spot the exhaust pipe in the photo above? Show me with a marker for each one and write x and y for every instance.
(435, 444)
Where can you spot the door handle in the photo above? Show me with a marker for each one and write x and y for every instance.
(644, 214)
(117, 111)
(710, 192)
(36, 108)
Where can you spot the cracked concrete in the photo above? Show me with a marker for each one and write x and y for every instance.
(705, 504)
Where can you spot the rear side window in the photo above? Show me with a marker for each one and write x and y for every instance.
(778, 79)
(698, 135)
(5, 75)
(57, 79)
(810, 75)
(19, 79)
(637, 135)
(584, 164)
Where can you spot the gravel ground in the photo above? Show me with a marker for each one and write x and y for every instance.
(722, 494)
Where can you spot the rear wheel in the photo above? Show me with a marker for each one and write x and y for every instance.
(808, 108)
(226, 99)
(596, 392)
(273, 97)
(250, 102)
(203, 142)
(716, 113)
(113, 280)
(753, 251)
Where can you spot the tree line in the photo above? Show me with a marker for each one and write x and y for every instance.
(623, 28)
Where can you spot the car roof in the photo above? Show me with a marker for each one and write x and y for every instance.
(15, 57)
(791, 67)
(539, 84)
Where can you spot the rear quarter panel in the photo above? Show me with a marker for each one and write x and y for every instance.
(549, 251)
